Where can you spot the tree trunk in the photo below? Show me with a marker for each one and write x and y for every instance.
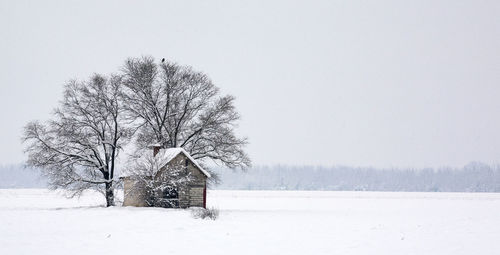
(110, 195)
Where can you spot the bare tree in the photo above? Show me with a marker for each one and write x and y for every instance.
(177, 106)
(78, 148)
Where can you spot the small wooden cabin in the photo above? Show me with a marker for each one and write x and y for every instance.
(192, 194)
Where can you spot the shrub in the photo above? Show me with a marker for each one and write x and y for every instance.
(203, 213)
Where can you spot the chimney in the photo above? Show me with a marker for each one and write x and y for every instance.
(156, 148)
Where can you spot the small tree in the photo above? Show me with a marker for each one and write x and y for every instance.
(177, 106)
(78, 148)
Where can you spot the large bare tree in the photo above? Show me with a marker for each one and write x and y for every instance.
(163, 103)
(78, 148)
(176, 106)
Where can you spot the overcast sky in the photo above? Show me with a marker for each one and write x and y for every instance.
(360, 83)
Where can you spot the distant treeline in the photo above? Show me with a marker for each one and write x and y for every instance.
(474, 177)
(17, 176)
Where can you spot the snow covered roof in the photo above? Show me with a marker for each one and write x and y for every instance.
(167, 155)
(171, 153)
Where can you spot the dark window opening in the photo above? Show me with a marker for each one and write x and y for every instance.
(170, 198)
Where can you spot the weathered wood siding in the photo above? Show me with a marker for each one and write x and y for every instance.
(134, 196)
(189, 196)
(192, 195)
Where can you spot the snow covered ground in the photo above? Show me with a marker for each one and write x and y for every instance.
(255, 222)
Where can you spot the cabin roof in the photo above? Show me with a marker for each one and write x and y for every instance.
(171, 153)
(166, 156)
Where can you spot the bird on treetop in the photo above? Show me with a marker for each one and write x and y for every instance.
(163, 60)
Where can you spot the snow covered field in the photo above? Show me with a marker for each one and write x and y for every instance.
(255, 222)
